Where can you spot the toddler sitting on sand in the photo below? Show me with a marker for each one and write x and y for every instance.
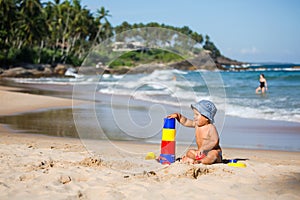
(207, 138)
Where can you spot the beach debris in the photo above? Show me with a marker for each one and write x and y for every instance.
(150, 156)
(199, 172)
(79, 194)
(91, 162)
(46, 164)
(142, 174)
(196, 172)
(64, 179)
(150, 173)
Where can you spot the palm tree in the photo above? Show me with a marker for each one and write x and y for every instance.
(57, 17)
(8, 16)
(102, 14)
(32, 23)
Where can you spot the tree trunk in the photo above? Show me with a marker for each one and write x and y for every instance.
(40, 51)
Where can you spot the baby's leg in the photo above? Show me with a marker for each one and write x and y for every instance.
(212, 157)
(189, 157)
(188, 160)
(191, 153)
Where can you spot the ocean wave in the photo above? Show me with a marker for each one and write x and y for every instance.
(57, 81)
(280, 103)
(266, 113)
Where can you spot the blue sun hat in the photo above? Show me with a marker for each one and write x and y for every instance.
(206, 108)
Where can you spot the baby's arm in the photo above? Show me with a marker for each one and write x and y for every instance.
(182, 119)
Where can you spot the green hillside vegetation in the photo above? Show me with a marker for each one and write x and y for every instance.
(65, 32)
(135, 58)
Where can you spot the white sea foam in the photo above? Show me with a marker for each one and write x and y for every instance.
(176, 71)
(106, 76)
(117, 76)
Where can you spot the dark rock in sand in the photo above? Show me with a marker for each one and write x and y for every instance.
(60, 69)
(21, 72)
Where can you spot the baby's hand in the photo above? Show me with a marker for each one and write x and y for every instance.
(174, 115)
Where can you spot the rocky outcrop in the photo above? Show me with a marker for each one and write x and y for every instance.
(35, 71)
(223, 61)
(201, 61)
(21, 71)
(60, 69)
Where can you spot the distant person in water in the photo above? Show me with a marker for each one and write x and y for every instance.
(263, 87)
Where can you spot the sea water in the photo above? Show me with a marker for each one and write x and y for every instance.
(237, 89)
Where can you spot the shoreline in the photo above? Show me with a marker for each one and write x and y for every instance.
(66, 90)
(35, 166)
(15, 102)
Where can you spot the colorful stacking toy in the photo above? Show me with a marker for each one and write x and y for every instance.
(168, 142)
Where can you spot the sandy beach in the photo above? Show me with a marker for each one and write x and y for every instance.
(43, 167)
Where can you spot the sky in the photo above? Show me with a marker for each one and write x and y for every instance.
(244, 30)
